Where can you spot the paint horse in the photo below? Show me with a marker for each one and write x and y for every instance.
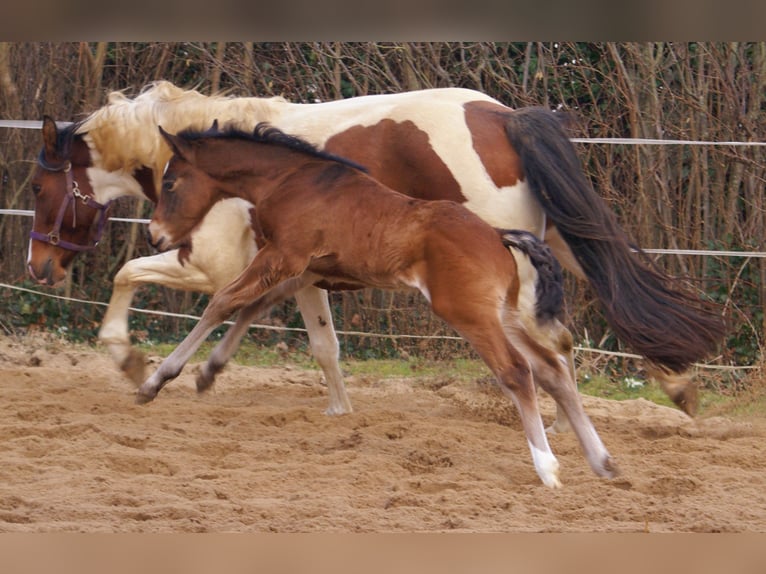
(319, 220)
(513, 168)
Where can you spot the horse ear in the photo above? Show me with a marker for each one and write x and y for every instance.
(50, 139)
(178, 145)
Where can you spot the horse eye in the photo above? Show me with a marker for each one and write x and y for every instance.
(167, 185)
(36, 187)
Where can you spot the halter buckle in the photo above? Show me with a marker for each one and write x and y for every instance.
(77, 193)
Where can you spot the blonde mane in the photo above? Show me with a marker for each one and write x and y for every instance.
(124, 134)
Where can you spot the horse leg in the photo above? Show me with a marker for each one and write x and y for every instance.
(162, 269)
(315, 309)
(678, 386)
(269, 270)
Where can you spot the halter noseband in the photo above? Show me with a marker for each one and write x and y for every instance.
(73, 194)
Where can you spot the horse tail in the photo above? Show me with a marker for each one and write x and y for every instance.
(549, 287)
(669, 326)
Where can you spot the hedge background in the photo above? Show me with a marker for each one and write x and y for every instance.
(678, 197)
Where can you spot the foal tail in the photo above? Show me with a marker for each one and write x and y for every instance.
(669, 326)
(549, 287)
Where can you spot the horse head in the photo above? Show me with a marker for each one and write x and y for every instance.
(67, 220)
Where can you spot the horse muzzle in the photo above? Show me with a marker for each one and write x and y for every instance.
(45, 275)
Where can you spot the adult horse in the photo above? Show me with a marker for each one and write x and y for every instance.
(371, 236)
(513, 168)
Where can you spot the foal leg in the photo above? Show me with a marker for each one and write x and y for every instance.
(315, 310)
(229, 344)
(678, 386)
(563, 343)
(482, 328)
(552, 375)
(268, 270)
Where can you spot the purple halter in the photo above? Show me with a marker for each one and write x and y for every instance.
(54, 236)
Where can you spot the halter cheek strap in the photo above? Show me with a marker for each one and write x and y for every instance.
(54, 237)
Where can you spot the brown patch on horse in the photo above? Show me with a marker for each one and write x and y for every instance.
(398, 154)
(486, 122)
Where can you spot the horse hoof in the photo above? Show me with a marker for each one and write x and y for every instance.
(552, 482)
(687, 400)
(135, 367)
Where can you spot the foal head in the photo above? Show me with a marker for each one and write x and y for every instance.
(186, 196)
(64, 219)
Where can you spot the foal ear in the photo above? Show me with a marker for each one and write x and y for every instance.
(178, 145)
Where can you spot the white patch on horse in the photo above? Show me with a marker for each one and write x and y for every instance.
(108, 185)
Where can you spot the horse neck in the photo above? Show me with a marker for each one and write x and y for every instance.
(123, 135)
(125, 132)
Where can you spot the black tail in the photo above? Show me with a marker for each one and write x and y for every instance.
(549, 290)
(662, 322)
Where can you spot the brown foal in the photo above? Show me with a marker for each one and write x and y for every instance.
(320, 220)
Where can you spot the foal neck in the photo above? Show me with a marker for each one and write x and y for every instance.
(251, 170)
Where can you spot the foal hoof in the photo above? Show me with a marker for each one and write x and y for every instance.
(135, 367)
(609, 468)
(204, 381)
(144, 396)
(559, 427)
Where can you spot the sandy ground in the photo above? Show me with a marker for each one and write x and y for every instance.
(418, 455)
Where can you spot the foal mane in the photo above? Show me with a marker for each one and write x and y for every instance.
(265, 133)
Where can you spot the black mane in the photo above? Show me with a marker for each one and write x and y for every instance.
(267, 134)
